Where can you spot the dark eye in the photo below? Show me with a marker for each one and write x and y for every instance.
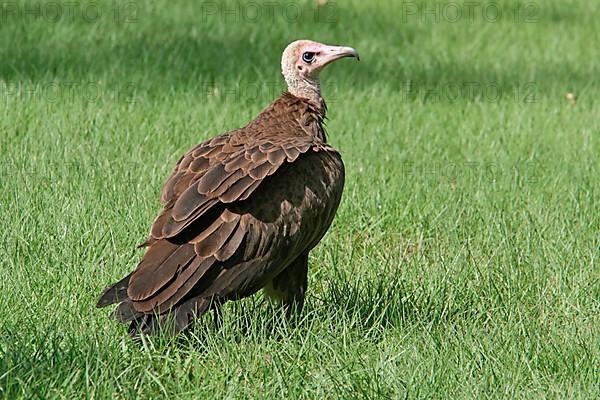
(308, 57)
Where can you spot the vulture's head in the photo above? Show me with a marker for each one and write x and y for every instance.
(303, 60)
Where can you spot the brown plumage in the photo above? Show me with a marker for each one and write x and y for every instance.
(241, 210)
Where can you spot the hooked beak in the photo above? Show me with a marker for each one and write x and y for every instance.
(332, 53)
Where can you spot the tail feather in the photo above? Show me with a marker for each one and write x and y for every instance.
(126, 312)
(188, 311)
(170, 322)
(115, 293)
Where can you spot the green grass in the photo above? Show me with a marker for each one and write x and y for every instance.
(463, 262)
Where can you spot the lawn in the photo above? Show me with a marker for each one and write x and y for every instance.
(463, 261)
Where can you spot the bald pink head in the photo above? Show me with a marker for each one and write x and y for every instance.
(303, 60)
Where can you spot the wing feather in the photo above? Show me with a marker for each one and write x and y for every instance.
(213, 178)
(213, 242)
(159, 265)
(237, 189)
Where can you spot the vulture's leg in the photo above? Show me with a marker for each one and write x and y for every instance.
(289, 286)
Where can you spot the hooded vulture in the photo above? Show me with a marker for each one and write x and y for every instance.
(241, 211)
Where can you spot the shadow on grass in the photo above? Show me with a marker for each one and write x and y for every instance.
(391, 302)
